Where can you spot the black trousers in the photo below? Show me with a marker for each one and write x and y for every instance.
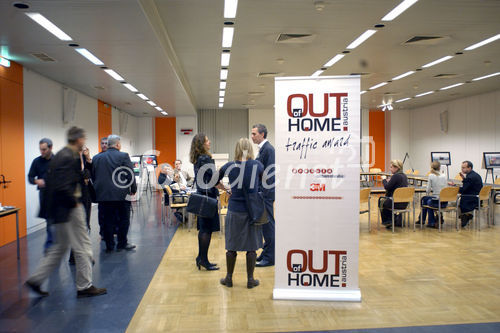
(385, 206)
(116, 216)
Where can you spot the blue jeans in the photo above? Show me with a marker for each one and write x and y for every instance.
(432, 202)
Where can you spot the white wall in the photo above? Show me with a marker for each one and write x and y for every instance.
(473, 128)
(144, 135)
(183, 142)
(262, 116)
(129, 134)
(400, 138)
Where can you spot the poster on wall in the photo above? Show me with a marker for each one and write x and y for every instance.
(317, 128)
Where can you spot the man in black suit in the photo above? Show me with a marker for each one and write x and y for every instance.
(471, 186)
(114, 181)
(266, 157)
(64, 184)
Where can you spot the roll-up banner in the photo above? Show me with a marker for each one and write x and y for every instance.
(317, 137)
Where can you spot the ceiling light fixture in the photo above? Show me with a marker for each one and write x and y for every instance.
(4, 62)
(221, 100)
(222, 93)
(425, 93)
(159, 108)
(378, 85)
(334, 60)
(361, 93)
(317, 73)
(221, 105)
(164, 113)
(402, 75)
(224, 59)
(364, 36)
(114, 75)
(486, 76)
(227, 36)
(402, 100)
(89, 56)
(452, 86)
(142, 96)
(230, 7)
(223, 74)
(130, 87)
(484, 42)
(222, 85)
(435, 62)
(51, 27)
(151, 103)
(398, 10)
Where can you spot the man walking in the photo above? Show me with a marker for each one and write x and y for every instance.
(266, 157)
(37, 176)
(113, 176)
(65, 211)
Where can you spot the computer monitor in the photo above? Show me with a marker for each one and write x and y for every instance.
(491, 160)
(149, 160)
(136, 162)
(442, 157)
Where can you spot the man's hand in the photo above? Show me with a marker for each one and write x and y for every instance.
(40, 183)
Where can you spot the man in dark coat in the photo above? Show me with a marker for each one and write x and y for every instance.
(267, 157)
(114, 181)
(471, 186)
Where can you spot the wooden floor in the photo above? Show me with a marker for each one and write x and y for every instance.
(406, 279)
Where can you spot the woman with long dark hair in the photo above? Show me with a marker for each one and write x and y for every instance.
(202, 159)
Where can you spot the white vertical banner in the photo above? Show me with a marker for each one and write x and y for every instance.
(317, 128)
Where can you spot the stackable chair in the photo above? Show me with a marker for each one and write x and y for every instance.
(401, 195)
(172, 205)
(483, 204)
(449, 195)
(223, 203)
(364, 197)
(375, 179)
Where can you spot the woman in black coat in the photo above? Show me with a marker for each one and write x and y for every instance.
(397, 180)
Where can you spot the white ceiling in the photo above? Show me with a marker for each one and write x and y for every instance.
(170, 49)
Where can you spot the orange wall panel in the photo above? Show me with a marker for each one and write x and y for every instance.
(165, 140)
(104, 121)
(377, 132)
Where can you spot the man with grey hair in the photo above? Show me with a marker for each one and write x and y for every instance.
(114, 180)
(37, 175)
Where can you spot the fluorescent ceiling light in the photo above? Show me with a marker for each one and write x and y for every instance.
(402, 100)
(143, 97)
(221, 100)
(90, 57)
(398, 10)
(151, 103)
(425, 93)
(486, 76)
(361, 93)
(452, 86)
(51, 27)
(221, 105)
(484, 42)
(158, 108)
(114, 75)
(402, 75)
(435, 62)
(364, 36)
(164, 113)
(230, 7)
(317, 73)
(378, 85)
(334, 60)
(227, 36)
(130, 87)
(223, 74)
(222, 93)
(224, 59)
(223, 85)
(4, 62)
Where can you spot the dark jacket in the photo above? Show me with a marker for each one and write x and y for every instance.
(397, 180)
(471, 185)
(63, 177)
(38, 169)
(202, 184)
(267, 158)
(113, 176)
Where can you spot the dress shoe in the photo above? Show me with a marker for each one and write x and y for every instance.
(128, 247)
(90, 292)
(36, 288)
(206, 265)
(465, 219)
(228, 282)
(264, 263)
(259, 258)
(209, 263)
(252, 283)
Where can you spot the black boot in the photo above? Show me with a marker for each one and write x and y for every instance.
(230, 262)
(251, 258)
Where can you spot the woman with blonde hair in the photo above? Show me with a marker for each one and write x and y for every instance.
(397, 180)
(436, 182)
(244, 175)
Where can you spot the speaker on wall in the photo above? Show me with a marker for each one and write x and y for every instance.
(69, 105)
(443, 121)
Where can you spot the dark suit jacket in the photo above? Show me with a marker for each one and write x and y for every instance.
(113, 175)
(397, 180)
(471, 185)
(202, 185)
(267, 158)
(63, 176)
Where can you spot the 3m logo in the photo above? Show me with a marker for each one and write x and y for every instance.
(317, 187)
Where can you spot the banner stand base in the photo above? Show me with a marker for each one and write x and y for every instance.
(353, 295)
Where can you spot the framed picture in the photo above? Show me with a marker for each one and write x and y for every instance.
(442, 157)
(491, 160)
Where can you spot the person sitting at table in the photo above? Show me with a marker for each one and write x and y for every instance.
(471, 186)
(435, 183)
(397, 180)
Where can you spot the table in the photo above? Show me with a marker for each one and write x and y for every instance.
(381, 190)
(8, 212)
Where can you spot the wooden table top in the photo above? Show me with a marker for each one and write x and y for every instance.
(9, 211)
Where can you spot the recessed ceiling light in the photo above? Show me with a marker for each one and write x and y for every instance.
(222, 85)
(402, 100)
(227, 36)
(230, 7)
(221, 100)
(114, 75)
(221, 105)
(223, 74)
(317, 73)
(164, 113)
(89, 56)
(398, 10)
(378, 85)
(484, 42)
(4, 62)
(51, 27)
(361, 93)
(130, 87)
(364, 36)
(334, 60)
(435, 62)
(425, 93)
(486, 76)
(142, 96)
(224, 59)
(151, 103)
(222, 93)
(158, 108)
(402, 75)
(452, 86)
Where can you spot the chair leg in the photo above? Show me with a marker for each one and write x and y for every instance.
(369, 210)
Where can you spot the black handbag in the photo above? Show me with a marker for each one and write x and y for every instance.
(202, 205)
(256, 207)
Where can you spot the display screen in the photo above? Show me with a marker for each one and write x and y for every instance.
(149, 159)
(491, 160)
(442, 157)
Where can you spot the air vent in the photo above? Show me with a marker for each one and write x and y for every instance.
(42, 57)
(295, 38)
(98, 87)
(425, 40)
(269, 74)
(447, 76)
(391, 93)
